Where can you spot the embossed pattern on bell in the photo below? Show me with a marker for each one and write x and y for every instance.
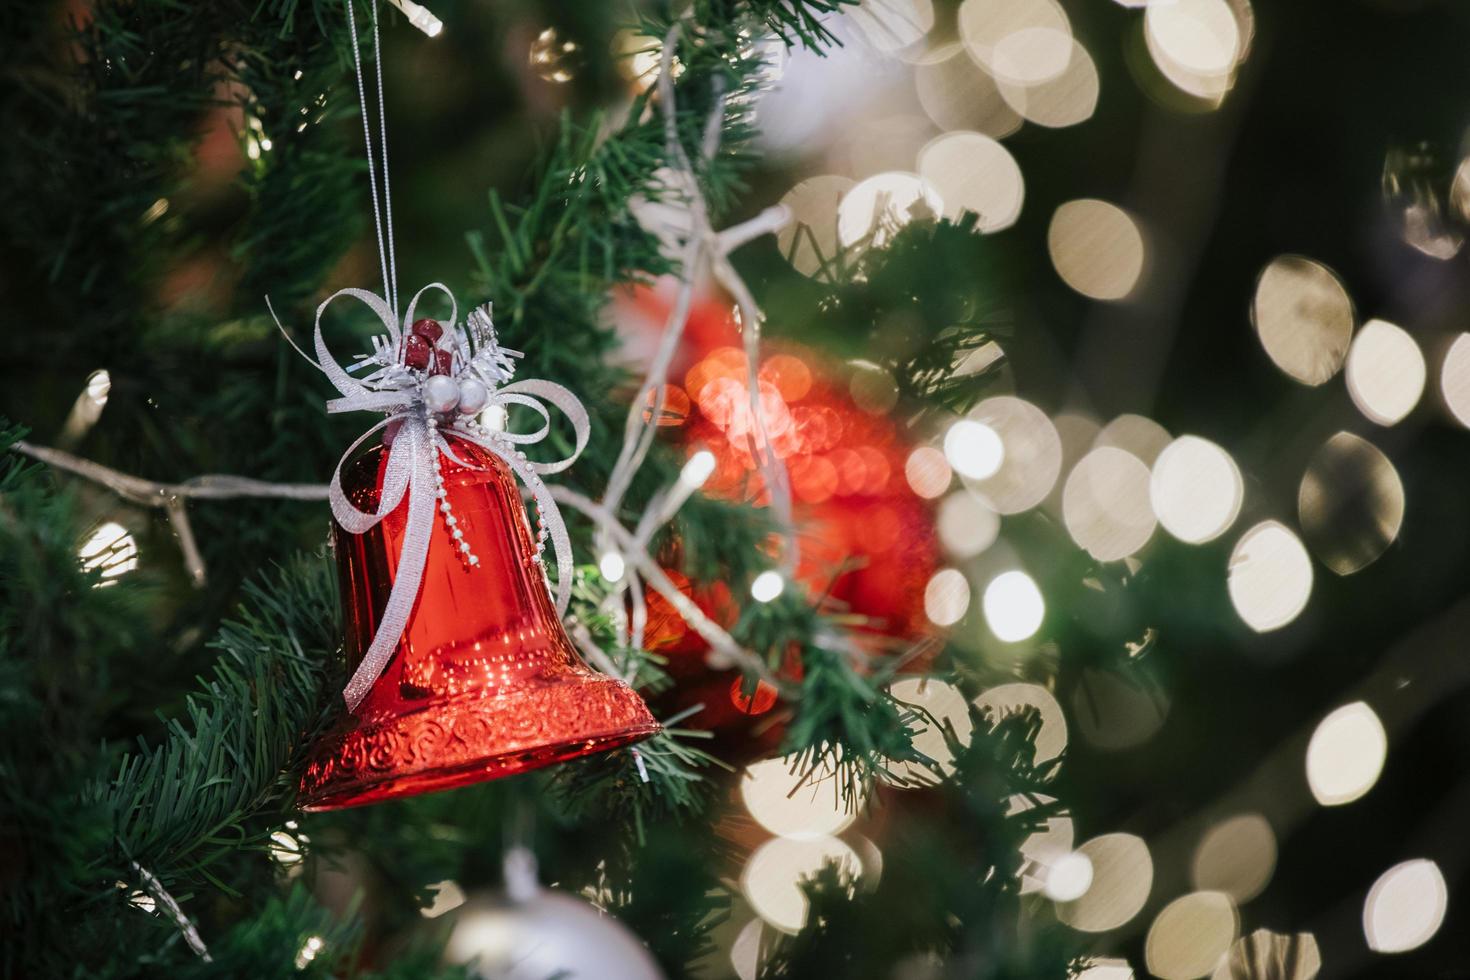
(485, 682)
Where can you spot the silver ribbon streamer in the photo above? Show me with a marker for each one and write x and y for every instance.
(397, 391)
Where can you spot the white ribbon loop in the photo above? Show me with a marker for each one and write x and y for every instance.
(410, 470)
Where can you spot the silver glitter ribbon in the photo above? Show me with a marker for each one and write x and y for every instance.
(396, 390)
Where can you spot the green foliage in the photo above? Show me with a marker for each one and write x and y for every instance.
(102, 201)
(192, 801)
(918, 306)
(610, 788)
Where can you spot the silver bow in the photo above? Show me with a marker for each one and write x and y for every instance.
(397, 390)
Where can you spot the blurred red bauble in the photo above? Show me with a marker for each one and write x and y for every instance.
(868, 544)
(485, 681)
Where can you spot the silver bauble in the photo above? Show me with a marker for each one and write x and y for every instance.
(441, 394)
(472, 396)
(547, 934)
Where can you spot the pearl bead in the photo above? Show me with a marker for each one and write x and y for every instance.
(472, 396)
(441, 394)
(458, 534)
(451, 520)
(464, 546)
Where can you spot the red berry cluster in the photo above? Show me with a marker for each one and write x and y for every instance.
(421, 348)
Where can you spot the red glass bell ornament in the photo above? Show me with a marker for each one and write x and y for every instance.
(485, 681)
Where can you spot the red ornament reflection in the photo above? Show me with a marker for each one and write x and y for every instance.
(867, 541)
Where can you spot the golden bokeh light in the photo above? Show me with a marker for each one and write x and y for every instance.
(1385, 372)
(880, 143)
(873, 209)
(1020, 41)
(789, 801)
(1118, 709)
(1077, 433)
(1198, 44)
(1346, 754)
(1200, 36)
(1304, 318)
(1351, 503)
(946, 597)
(1190, 935)
(1270, 577)
(746, 950)
(958, 94)
(1136, 434)
(1105, 504)
(872, 388)
(966, 526)
(1122, 877)
(890, 25)
(1405, 907)
(1460, 191)
(1004, 700)
(1033, 454)
(1270, 954)
(1236, 856)
(1454, 379)
(809, 240)
(973, 449)
(1196, 489)
(1105, 968)
(1042, 848)
(973, 172)
(1097, 248)
(771, 879)
(1066, 100)
(927, 472)
(1014, 607)
(940, 706)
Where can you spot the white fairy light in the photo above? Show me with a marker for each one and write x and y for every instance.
(698, 469)
(420, 16)
(87, 409)
(137, 898)
(286, 847)
(110, 549)
(695, 473)
(99, 384)
(309, 951)
(612, 566)
(767, 586)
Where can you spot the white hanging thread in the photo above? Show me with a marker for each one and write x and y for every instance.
(386, 258)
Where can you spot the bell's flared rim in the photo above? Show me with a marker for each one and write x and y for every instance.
(469, 739)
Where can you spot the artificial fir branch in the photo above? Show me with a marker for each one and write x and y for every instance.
(173, 806)
(195, 807)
